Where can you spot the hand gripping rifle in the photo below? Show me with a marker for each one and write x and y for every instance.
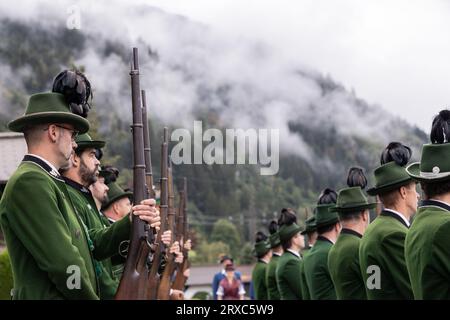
(133, 284)
(154, 276)
(180, 279)
(164, 285)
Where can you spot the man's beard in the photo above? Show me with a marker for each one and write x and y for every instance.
(105, 199)
(88, 177)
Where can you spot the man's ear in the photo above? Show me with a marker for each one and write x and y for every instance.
(52, 133)
(115, 206)
(403, 192)
(75, 160)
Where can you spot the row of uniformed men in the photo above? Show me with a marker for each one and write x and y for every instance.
(348, 258)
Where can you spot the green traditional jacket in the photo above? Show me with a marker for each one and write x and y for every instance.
(383, 245)
(343, 263)
(288, 276)
(106, 238)
(271, 278)
(259, 280)
(47, 243)
(316, 270)
(303, 283)
(427, 251)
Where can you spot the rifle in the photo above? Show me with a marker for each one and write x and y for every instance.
(153, 277)
(164, 285)
(180, 279)
(147, 150)
(133, 284)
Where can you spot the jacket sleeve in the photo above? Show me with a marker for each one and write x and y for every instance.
(46, 235)
(394, 251)
(304, 285)
(107, 240)
(292, 272)
(322, 287)
(441, 253)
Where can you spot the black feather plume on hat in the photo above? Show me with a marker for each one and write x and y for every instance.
(260, 236)
(327, 196)
(76, 88)
(114, 173)
(273, 227)
(356, 178)
(287, 217)
(440, 129)
(398, 152)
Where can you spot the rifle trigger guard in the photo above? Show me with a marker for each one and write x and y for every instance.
(123, 248)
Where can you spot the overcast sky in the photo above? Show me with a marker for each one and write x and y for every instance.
(392, 53)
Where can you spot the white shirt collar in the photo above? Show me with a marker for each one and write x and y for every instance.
(400, 215)
(54, 171)
(294, 252)
(276, 254)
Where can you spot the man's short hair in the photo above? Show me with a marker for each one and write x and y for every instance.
(433, 189)
(224, 258)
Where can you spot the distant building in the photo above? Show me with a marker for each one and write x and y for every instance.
(12, 150)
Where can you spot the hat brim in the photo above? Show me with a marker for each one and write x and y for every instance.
(309, 230)
(91, 144)
(328, 222)
(128, 194)
(414, 172)
(289, 235)
(80, 124)
(355, 208)
(389, 187)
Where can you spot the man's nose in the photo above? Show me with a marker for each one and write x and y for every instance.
(74, 145)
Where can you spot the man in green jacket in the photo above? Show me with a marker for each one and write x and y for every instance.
(79, 175)
(106, 237)
(263, 253)
(51, 253)
(277, 251)
(288, 266)
(427, 248)
(310, 234)
(315, 263)
(343, 258)
(381, 251)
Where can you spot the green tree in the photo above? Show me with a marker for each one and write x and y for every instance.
(6, 279)
(226, 232)
(208, 253)
(246, 255)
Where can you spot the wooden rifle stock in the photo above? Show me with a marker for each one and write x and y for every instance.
(180, 279)
(154, 276)
(164, 285)
(133, 284)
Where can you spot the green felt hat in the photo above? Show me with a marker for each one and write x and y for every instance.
(261, 248)
(274, 239)
(352, 200)
(310, 224)
(108, 175)
(48, 107)
(389, 176)
(116, 193)
(434, 165)
(324, 216)
(84, 141)
(288, 231)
